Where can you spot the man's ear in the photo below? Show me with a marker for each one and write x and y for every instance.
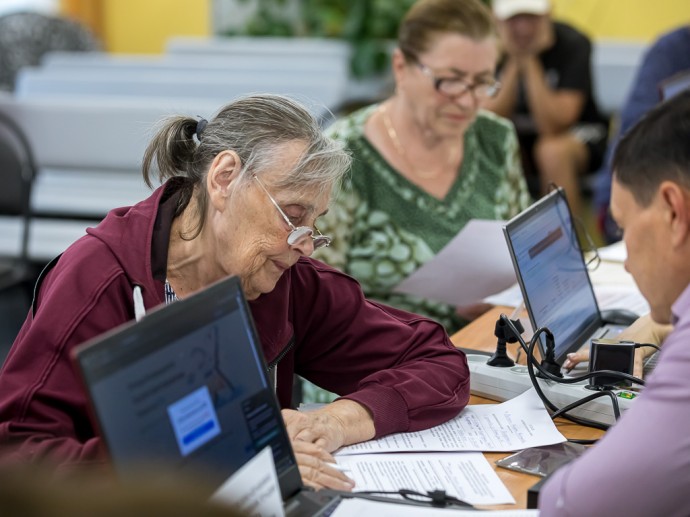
(676, 202)
(224, 170)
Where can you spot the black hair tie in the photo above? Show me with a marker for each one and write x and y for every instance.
(200, 126)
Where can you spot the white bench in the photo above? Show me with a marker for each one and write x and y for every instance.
(614, 62)
(324, 53)
(614, 65)
(88, 153)
(319, 94)
(274, 66)
(317, 50)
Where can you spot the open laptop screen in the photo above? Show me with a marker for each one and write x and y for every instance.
(187, 387)
(552, 273)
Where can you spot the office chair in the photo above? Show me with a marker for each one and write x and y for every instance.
(17, 172)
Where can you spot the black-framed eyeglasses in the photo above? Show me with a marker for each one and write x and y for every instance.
(454, 87)
(297, 233)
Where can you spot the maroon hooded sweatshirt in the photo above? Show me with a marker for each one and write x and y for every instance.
(316, 323)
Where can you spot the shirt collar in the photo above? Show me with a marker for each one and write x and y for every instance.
(681, 307)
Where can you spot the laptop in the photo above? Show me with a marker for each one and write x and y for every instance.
(553, 276)
(187, 387)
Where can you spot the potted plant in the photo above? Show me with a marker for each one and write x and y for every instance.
(368, 25)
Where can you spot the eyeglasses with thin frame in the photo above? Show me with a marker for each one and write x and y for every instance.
(454, 87)
(297, 233)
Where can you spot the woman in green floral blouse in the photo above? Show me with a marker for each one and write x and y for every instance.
(426, 160)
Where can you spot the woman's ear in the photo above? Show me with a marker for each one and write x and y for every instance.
(224, 170)
(398, 64)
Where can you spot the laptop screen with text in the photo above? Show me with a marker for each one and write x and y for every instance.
(186, 387)
(552, 273)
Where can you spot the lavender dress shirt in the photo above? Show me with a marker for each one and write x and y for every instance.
(642, 465)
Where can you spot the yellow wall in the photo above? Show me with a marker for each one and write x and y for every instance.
(623, 19)
(141, 26)
(144, 25)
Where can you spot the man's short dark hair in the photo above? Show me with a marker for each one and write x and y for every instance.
(656, 149)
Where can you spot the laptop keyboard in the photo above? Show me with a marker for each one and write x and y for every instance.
(328, 511)
(312, 504)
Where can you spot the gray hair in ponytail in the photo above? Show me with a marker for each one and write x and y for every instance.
(255, 127)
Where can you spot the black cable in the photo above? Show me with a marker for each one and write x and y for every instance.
(651, 345)
(577, 224)
(588, 398)
(532, 362)
(569, 380)
(433, 498)
(591, 441)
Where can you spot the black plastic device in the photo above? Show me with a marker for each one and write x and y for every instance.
(609, 354)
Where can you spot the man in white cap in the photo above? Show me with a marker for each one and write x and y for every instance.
(547, 92)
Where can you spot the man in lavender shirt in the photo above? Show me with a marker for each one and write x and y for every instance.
(642, 465)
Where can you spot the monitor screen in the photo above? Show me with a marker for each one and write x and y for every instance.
(186, 387)
(552, 272)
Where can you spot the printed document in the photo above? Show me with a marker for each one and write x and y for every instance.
(254, 488)
(615, 252)
(510, 426)
(472, 266)
(362, 508)
(465, 475)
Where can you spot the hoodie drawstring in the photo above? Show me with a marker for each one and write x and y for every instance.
(139, 309)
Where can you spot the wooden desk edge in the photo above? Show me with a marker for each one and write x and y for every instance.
(479, 335)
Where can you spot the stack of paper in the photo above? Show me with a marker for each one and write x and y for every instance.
(448, 457)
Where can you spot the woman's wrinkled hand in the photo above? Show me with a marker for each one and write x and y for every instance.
(315, 466)
(317, 427)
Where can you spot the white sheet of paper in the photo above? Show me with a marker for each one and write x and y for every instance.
(621, 297)
(511, 297)
(615, 295)
(254, 488)
(611, 273)
(510, 426)
(615, 252)
(465, 475)
(363, 508)
(475, 264)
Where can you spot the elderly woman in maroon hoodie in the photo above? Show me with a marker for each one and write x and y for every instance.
(241, 196)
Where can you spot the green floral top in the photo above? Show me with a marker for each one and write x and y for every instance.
(384, 227)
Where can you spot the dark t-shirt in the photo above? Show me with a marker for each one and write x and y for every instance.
(567, 66)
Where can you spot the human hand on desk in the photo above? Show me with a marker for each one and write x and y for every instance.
(314, 434)
(315, 467)
(644, 330)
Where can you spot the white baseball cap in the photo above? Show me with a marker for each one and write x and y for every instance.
(504, 9)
